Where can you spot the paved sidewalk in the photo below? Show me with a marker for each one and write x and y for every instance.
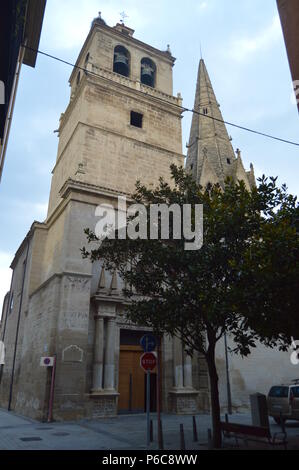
(120, 433)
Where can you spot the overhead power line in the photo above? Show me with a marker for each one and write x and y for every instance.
(242, 127)
(247, 129)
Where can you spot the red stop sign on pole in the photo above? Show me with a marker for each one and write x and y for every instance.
(148, 361)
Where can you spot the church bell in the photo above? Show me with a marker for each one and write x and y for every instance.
(121, 63)
(147, 74)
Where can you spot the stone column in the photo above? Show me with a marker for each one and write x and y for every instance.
(188, 371)
(183, 398)
(97, 383)
(178, 363)
(109, 355)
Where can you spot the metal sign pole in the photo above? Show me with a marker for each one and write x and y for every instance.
(51, 399)
(158, 394)
(148, 362)
(148, 378)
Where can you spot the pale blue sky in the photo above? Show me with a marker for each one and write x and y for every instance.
(245, 55)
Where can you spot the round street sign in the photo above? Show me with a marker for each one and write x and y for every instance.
(148, 361)
(148, 343)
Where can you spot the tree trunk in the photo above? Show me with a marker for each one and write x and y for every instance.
(214, 393)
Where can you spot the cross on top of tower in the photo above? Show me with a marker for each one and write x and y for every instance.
(123, 17)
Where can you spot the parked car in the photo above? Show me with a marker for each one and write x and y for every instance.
(283, 402)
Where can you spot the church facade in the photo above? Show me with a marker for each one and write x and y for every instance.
(122, 124)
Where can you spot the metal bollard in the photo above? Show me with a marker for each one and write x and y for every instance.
(195, 437)
(151, 431)
(182, 438)
(160, 436)
(210, 440)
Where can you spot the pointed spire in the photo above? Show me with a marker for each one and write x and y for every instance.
(251, 176)
(208, 137)
(98, 20)
(114, 283)
(102, 281)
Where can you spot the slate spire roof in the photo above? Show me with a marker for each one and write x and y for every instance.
(211, 157)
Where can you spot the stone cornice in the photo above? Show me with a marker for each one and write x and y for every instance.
(80, 186)
(59, 275)
(105, 297)
(136, 85)
(72, 187)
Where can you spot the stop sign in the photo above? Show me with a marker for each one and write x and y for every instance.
(148, 361)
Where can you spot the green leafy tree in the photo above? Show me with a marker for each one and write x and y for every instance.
(242, 281)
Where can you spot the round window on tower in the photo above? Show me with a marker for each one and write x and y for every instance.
(148, 72)
(121, 62)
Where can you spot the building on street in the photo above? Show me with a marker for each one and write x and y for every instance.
(122, 123)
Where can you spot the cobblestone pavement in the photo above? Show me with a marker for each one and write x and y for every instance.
(120, 433)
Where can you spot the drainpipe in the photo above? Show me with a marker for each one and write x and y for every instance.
(17, 330)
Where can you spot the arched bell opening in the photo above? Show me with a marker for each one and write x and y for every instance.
(148, 72)
(121, 62)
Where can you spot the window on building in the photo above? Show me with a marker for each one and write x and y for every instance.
(121, 61)
(136, 119)
(78, 78)
(205, 111)
(148, 72)
(228, 161)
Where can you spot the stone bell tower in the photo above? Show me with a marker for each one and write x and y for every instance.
(122, 122)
